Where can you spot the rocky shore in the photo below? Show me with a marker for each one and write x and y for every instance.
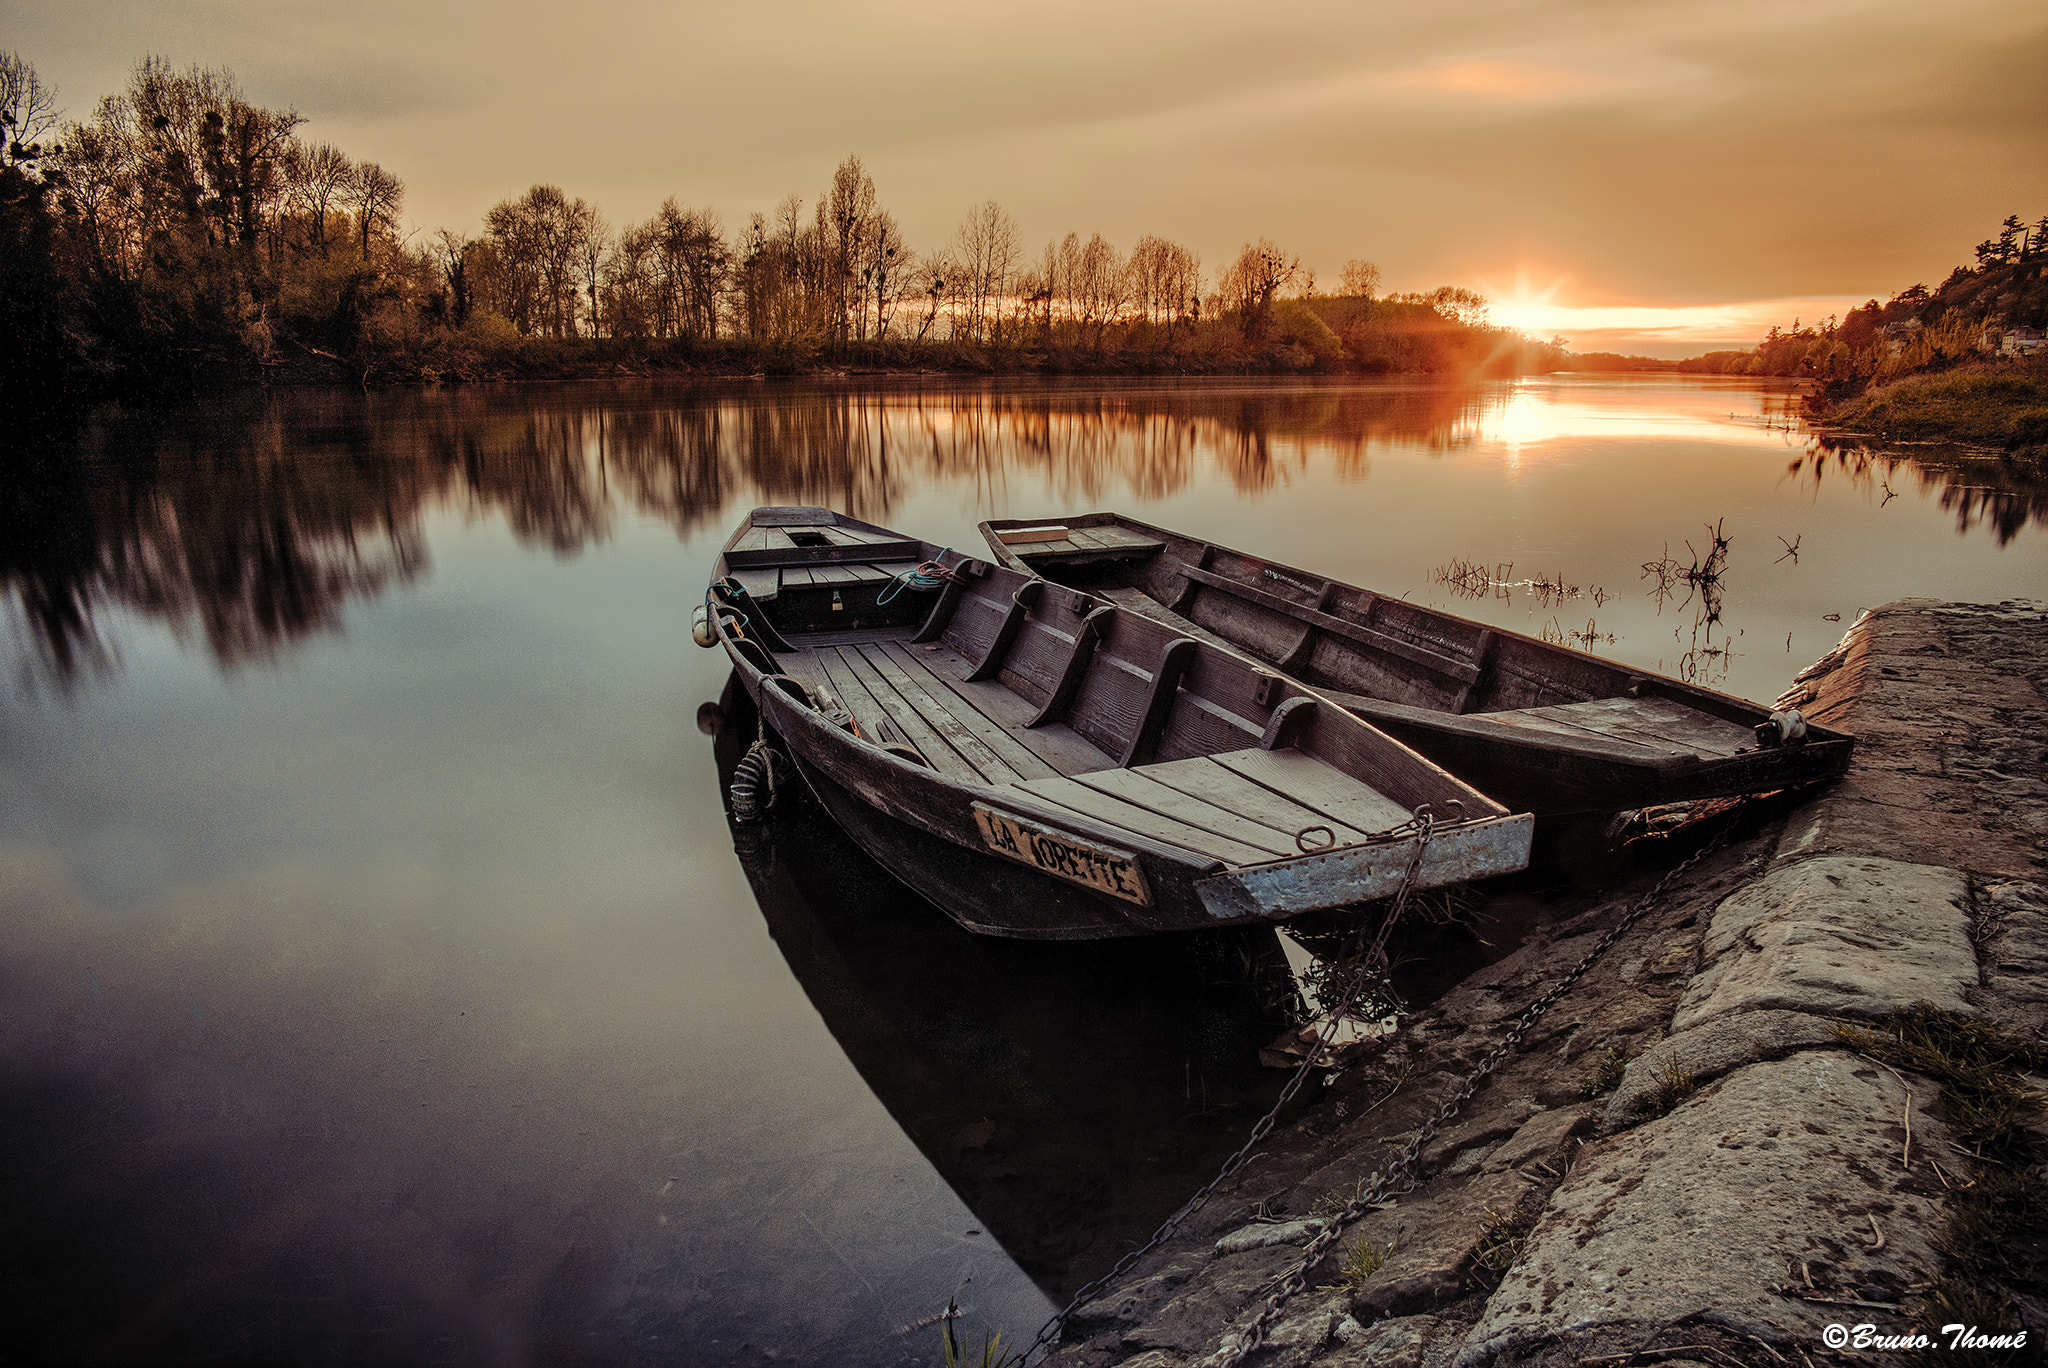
(1697, 1155)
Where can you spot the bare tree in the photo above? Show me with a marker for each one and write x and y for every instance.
(28, 109)
(377, 196)
(850, 211)
(593, 244)
(318, 176)
(885, 266)
(1260, 272)
(987, 247)
(1360, 279)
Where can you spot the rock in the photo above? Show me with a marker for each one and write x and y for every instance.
(1540, 1136)
(1130, 1304)
(1262, 1234)
(1497, 1123)
(1390, 1344)
(1427, 1240)
(1704, 1213)
(1304, 1327)
(1188, 1322)
(2015, 913)
(1153, 1358)
(1836, 935)
(1714, 1048)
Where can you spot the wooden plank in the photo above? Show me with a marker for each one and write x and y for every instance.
(1015, 753)
(1204, 778)
(1310, 782)
(1078, 797)
(759, 584)
(865, 537)
(1125, 539)
(1531, 720)
(934, 711)
(1670, 721)
(872, 717)
(869, 574)
(1025, 536)
(825, 555)
(1460, 670)
(1057, 744)
(940, 756)
(1134, 787)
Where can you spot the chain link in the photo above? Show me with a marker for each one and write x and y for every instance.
(1296, 1277)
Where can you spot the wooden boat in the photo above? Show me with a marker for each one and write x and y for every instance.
(1042, 764)
(1542, 728)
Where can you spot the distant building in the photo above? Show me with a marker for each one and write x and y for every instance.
(2021, 342)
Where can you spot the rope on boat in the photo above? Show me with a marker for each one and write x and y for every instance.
(928, 578)
(754, 782)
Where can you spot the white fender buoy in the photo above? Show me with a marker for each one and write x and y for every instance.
(700, 627)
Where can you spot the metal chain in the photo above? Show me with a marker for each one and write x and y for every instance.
(1421, 824)
(1296, 1276)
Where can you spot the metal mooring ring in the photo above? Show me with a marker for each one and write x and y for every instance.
(1301, 839)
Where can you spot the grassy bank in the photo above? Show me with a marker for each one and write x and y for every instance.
(2004, 407)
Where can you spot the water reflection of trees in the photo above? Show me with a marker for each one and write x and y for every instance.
(253, 523)
(1982, 489)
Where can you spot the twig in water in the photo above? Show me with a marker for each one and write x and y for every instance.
(1791, 548)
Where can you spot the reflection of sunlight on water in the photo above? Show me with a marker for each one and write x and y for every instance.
(1537, 411)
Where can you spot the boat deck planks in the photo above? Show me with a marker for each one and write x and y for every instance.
(1020, 757)
(1135, 786)
(1076, 796)
(1090, 543)
(1312, 783)
(1205, 778)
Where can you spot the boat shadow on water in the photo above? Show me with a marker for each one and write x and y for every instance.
(1073, 1094)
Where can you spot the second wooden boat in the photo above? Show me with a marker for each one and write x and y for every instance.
(1542, 728)
(1043, 764)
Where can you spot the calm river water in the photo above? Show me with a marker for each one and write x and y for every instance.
(382, 979)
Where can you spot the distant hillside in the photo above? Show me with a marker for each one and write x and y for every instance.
(1965, 362)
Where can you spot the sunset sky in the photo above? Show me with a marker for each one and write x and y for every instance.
(1636, 174)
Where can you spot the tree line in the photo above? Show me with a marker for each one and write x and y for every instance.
(180, 234)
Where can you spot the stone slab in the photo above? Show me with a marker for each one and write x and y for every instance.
(1704, 1213)
(1836, 935)
(1712, 1049)
(1539, 1137)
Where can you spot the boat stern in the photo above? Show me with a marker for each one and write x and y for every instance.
(1361, 873)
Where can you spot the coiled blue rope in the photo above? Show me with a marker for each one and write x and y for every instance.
(927, 578)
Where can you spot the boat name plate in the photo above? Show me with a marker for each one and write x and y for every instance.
(1102, 868)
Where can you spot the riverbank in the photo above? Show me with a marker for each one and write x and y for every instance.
(1708, 1151)
(2001, 407)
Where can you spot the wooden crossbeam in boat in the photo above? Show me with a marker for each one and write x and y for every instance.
(824, 555)
(1366, 636)
(1085, 638)
(1013, 623)
(1174, 659)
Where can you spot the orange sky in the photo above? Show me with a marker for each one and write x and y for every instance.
(1745, 161)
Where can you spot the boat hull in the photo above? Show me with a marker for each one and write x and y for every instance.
(1536, 726)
